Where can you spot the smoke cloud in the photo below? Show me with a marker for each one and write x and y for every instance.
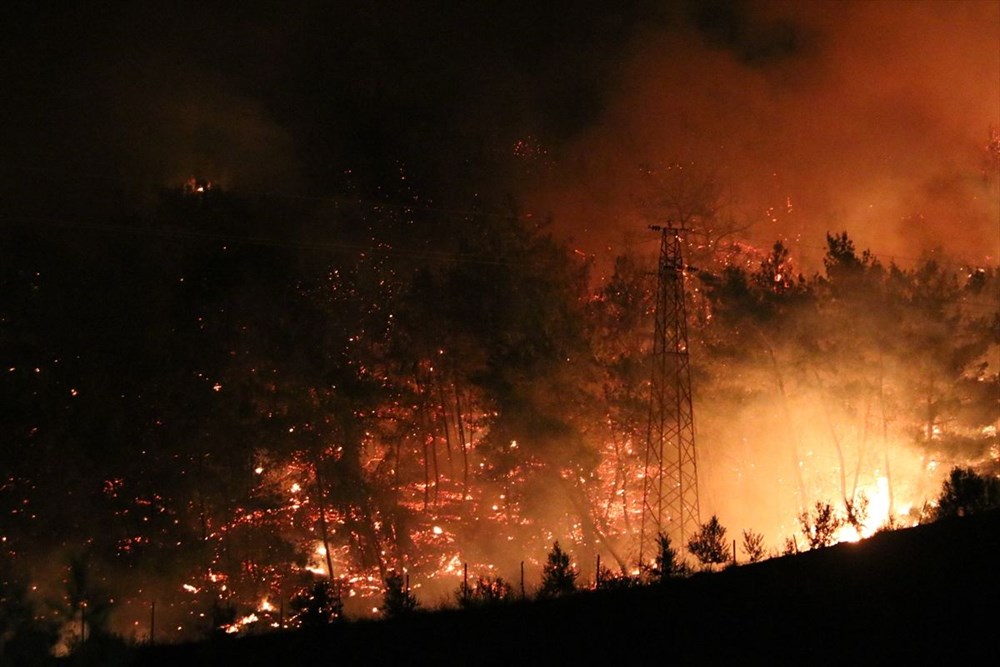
(869, 117)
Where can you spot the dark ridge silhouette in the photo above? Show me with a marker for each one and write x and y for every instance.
(924, 594)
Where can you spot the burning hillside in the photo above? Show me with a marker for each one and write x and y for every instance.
(459, 412)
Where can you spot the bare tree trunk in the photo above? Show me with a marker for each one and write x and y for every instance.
(614, 485)
(373, 536)
(321, 495)
(885, 431)
(836, 444)
(462, 443)
(583, 511)
(443, 415)
(434, 464)
(428, 421)
(424, 388)
(399, 447)
(620, 483)
(930, 414)
(863, 449)
(787, 413)
(427, 480)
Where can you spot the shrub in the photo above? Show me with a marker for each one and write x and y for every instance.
(484, 592)
(820, 527)
(753, 546)
(317, 605)
(609, 580)
(790, 548)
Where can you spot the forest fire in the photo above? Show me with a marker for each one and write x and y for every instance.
(437, 443)
(441, 557)
(290, 339)
(828, 408)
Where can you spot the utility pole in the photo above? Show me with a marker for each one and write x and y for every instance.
(670, 480)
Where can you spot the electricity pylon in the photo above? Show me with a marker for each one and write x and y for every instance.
(670, 480)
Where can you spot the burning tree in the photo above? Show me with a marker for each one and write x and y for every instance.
(855, 377)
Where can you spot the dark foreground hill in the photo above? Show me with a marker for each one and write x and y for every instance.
(926, 595)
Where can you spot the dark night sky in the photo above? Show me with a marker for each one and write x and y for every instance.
(288, 93)
(868, 116)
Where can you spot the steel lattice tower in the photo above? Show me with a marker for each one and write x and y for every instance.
(670, 482)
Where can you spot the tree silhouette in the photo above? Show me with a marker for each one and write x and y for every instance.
(397, 600)
(965, 492)
(667, 563)
(90, 605)
(820, 527)
(608, 579)
(709, 544)
(317, 605)
(790, 547)
(753, 546)
(857, 511)
(486, 591)
(558, 575)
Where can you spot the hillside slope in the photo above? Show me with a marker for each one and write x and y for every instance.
(927, 594)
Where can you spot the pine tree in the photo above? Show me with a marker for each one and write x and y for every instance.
(667, 564)
(709, 544)
(558, 575)
(397, 599)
